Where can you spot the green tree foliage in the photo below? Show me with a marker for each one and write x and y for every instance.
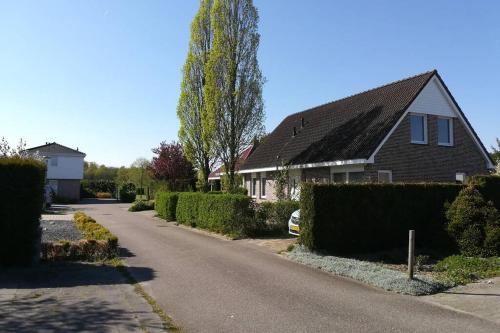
(495, 156)
(281, 183)
(233, 90)
(196, 132)
(94, 171)
(474, 224)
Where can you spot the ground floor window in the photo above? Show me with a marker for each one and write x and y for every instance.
(263, 187)
(356, 177)
(254, 187)
(385, 176)
(339, 178)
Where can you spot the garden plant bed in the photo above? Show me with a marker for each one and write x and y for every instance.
(370, 273)
(80, 239)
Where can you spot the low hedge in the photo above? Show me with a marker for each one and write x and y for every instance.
(361, 218)
(225, 213)
(271, 218)
(21, 201)
(99, 243)
(166, 205)
(141, 205)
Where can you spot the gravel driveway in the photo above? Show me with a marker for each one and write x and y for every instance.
(59, 227)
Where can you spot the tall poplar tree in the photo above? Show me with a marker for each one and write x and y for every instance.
(233, 91)
(196, 131)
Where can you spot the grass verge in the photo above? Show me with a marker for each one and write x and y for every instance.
(459, 269)
(167, 322)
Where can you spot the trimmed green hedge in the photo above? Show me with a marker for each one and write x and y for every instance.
(224, 213)
(360, 218)
(21, 201)
(166, 205)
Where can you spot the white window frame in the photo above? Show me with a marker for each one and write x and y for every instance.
(263, 181)
(384, 171)
(450, 131)
(253, 187)
(425, 129)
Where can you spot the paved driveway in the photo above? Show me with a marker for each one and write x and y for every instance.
(209, 284)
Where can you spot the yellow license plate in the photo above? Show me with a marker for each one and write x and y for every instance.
(295, 228)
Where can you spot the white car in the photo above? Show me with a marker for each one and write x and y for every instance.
(293, 223)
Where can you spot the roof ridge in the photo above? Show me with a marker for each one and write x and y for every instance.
(434, 71)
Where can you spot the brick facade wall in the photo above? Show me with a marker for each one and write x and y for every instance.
(427, 162)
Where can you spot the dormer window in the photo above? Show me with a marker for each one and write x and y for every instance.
(294, 131)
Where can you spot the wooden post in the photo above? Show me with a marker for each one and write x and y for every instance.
(411, 254)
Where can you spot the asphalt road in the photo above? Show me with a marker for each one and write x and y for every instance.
(209, 284)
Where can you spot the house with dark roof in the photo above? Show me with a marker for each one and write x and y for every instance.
(410, 130)
(64, 168)
(214, 178)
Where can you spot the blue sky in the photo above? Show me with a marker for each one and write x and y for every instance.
(104, 76)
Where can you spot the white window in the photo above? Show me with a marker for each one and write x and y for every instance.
(460, 177)
(53, 161)
(385, 176)
(445, 131)
(418, 125)
(263, 187)
(254, 187)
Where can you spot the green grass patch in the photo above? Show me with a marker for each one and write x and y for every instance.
(461, 270)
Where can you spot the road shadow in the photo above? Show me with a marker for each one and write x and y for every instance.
(36, 312)
(68, 274)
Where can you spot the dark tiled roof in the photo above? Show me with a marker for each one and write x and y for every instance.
(55, 148)
(346, 129)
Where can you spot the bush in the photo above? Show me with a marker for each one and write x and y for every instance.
(21, 203)
(239, 190)
(474, 224)
(166, 205)
(462, 270)
(89, 188)
(99, 243)
(127, 192)
(226, 213)
(272, 217)
(141, 205)
(103, 195)
(489, 186)
(361, 218)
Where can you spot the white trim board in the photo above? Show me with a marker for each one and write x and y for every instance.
(309, 165)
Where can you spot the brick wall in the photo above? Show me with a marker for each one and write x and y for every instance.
(429, 162)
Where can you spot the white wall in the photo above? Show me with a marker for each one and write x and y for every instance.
(432, 100)
(68, 167)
